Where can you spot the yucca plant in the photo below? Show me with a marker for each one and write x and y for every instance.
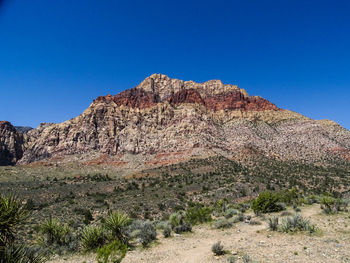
(21, 254)
(92, 237)
(12, 214)
(54, 232)
(115, 222)
(297, 223)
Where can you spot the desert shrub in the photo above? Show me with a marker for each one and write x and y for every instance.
(218, 249)
(144, 230)
(273, 223)
(92, 237)
(243, 207)
(332, 205)
(86, 213)
(115, 222)
(113, 252)
(266, 202)
(240, 217)
(53, 232)
(297, 209)
(231, 259)
(312, 199)
(186, 227)
(177, 218)
(247, 259)
(297, 223)
(162, 224)
(286, 213)
(30, 205)
(254, 222)
(148, 233)
(167, 231)
(288, 196)
(198, 215)
(231, 212)
(282, 205)
(222, 223)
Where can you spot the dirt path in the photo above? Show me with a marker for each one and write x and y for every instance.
(260, 244)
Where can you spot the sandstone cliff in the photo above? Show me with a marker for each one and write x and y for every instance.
(165, 120)
(11, 144)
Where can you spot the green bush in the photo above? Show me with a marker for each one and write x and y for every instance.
(92, 237)
(111, 253)
(332, 205)
(177, 218)
(198, 215)
(167, 231)
(266, 202)
(230, 212)
(288, 196)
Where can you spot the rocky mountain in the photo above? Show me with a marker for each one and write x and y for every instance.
(11, 144)
(164, 121)
(23, 129)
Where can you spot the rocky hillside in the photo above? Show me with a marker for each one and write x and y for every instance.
(164, 121)
(11, 144)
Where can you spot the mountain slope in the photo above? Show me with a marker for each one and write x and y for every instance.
(164, 121)
(11, 144)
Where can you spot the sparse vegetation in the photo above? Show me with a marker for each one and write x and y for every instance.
(222, 223)
(273, 223)
(218, 249)
(297, 223)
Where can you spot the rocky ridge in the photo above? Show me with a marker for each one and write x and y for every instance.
(11, 144)
(164, 120)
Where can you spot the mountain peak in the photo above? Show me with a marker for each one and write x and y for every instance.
(212, 94)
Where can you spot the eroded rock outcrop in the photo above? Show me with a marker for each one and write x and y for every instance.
(11, 144)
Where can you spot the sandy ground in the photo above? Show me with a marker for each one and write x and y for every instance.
(262, 245)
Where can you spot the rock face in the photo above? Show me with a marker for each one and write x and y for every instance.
(165, 121)
(11, 144)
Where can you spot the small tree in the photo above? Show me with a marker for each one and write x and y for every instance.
(266, 202)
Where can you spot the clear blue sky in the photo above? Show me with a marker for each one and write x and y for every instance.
(57, 56)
